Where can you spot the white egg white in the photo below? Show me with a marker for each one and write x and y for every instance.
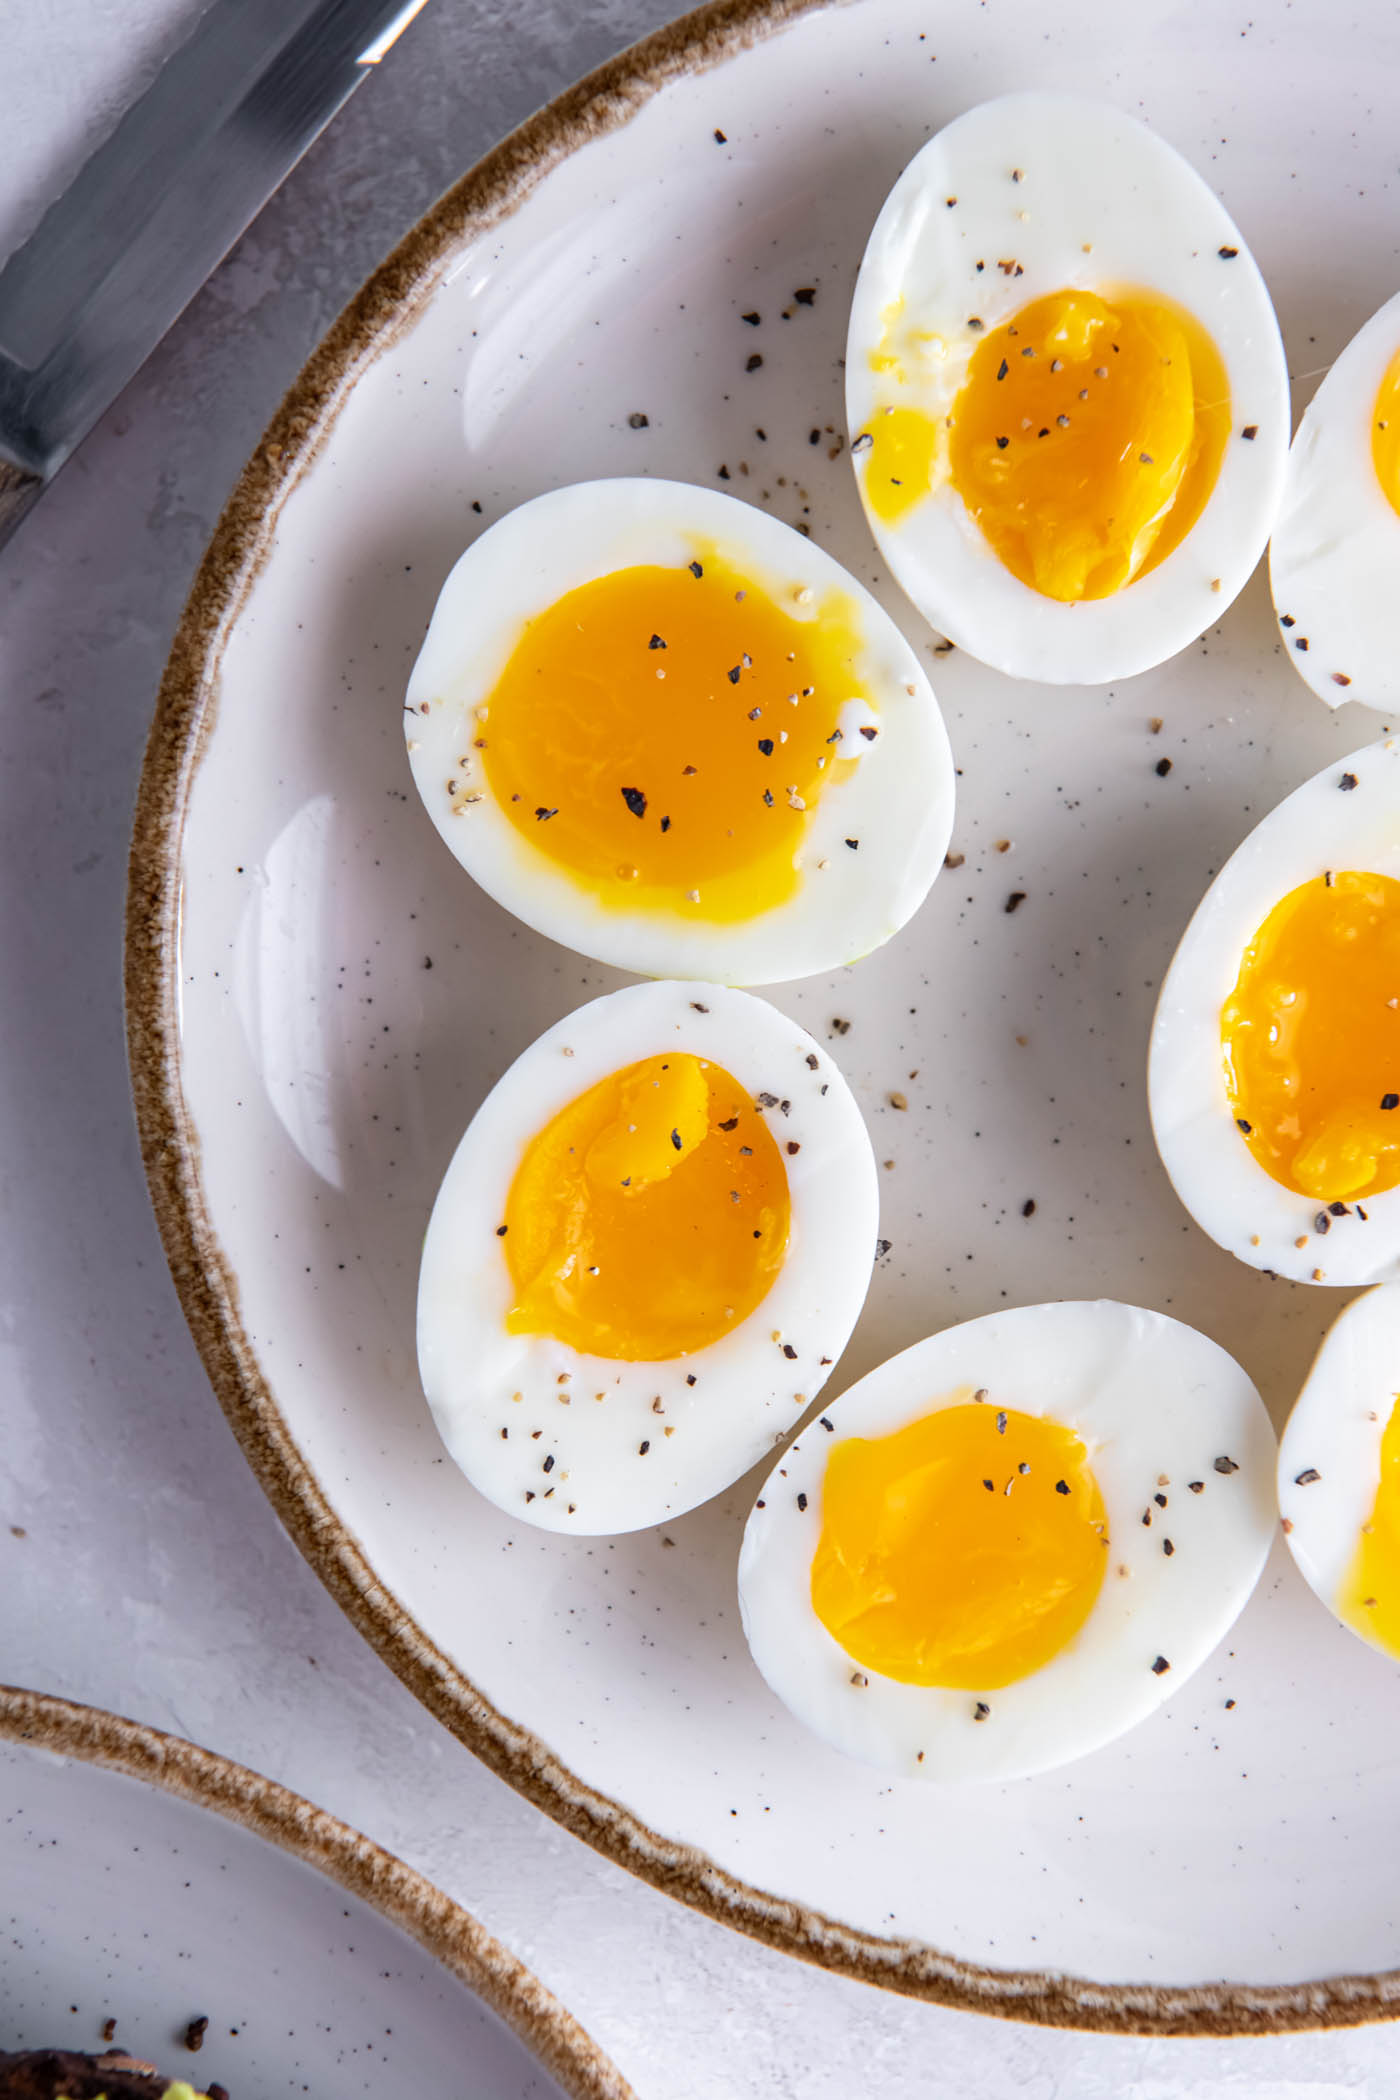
(1329, 1459)
(1158, 1406)
(898, 802)
(1347, 816)
(655, 1443)
(1020, 197)
(1335, 553)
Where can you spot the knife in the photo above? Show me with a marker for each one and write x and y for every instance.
(121, 253)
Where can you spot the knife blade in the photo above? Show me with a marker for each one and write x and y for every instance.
(121, 253)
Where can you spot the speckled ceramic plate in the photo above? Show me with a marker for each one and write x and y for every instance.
(319, 998)
(147, 1886)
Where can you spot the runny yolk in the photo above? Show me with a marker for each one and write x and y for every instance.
(664, 734)
(965, 1550)
(1385, 434)
(649, 1216)
(1369, 1598)
(1085, 439)
(1311, 1035)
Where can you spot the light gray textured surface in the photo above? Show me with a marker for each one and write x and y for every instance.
(140, 1567)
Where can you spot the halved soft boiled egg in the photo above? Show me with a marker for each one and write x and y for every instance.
(1012, 1542)
(1335, 553)
(1066, 391)
(668, 731)
(1273, 1074)
(1339, 1470)
(646, 1256)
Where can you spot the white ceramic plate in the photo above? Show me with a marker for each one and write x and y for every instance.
(319, 998)
(147, 1883)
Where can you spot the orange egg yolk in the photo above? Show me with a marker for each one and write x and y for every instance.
(1385, 434)
(965, 1550)
(1311, 1036)
(650, 1216)
(664, 735)
(1369, 1598)
(1084, 441)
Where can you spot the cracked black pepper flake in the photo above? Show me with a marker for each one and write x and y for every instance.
(813, 1061)
(1226, 1465)
(1147, 1519)
(1322, 1222)
(1017, 897)
(988, 1486)
(195, 2032)
(695, 568)
(1061, 1487)
(1168, 1548)
(827, 1422)
(1337, 1210)
(765, 745)
(1028, 1207)
(501, 1232)
(690, 1378)
(636, 801)
(768, 797)
(1241, 1124)
(1002, 369)
(862, 443)
(1340, 678)
(854, 845)
(665, 823)
(1160, 1500)
(542, 816)
(676, 1140)
(793, 1147)
(733, 676)
(752, 319)
(1300, 642)
(644, 1447)
(753, 361)
(1002, 444)
(529, 1494)
(732, 1123)
(1196, 1486)
(767, 1100)
(1390, 1100)
(656, 642)
(1306, 1478)
(1162, 768)
(1347, 783)
(805, 295)
(720, 138)
(760, 1504)
(1001, 1424)
(1161, 1666)
(548, 1466)
(802, 1501)
(637, 421)
(1250, 431)
(981, 1710)
(789, 1352)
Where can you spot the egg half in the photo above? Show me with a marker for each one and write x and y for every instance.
(667, 730)
(1066, 391)
(1339, 1470)
(1011, 1542)
(1273, 1073)
(1335, 553)
(646, 1256)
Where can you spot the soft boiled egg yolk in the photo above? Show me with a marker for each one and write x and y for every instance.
(664, 734)
(649, 1216)
(1385, 434)
(1369, 1598)
(1084, 441)
(964, 1550)
(1311, 1036)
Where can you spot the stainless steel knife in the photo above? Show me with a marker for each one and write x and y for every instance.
(113, 262)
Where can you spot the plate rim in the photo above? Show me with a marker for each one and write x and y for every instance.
(388, 302)
(392, 1889)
